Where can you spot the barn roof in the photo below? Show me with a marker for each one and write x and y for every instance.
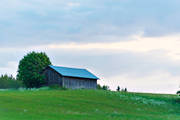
(73, 72)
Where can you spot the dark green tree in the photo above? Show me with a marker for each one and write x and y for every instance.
(30, 68)
(118, 88)
(105, 87)
(99, 87)
(178, 93)
(125, 90)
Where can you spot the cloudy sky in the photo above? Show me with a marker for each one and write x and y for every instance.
(130, 43)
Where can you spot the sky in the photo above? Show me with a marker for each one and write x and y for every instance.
(131, 43)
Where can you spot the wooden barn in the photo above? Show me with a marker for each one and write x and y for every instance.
(73, 78)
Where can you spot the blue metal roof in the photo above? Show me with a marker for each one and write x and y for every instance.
(73, 72)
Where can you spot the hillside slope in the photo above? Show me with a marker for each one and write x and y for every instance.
(87, 105)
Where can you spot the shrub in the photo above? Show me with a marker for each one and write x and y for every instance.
(99, 87)
(9, 82)
(124, 90)
(104, 87)
(118, 88)
(30, 68)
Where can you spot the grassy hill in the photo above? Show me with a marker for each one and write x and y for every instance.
(87, 105)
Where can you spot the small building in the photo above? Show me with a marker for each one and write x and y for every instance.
(73, 78)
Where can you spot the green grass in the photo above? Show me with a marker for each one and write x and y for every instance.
(87, 105)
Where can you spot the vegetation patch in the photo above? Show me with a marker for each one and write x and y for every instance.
(54, 104)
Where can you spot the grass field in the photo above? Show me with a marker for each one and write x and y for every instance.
(87, 105)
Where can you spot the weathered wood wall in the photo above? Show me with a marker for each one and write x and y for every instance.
(77, 83)
(52, 77)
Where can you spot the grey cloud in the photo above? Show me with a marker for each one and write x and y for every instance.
(42, 22)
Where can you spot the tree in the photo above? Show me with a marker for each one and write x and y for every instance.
(118, 88)
(104, 87)
(99, 87)
(9, 82)
(178, 93)
(125, 90)
(30, 68)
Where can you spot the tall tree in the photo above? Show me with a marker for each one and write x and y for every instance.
(30, 68)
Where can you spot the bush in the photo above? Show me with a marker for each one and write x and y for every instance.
(9, 82)
(30, 68)
(104, 87)
(118, 89)
(124, 90)
(99, 87)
